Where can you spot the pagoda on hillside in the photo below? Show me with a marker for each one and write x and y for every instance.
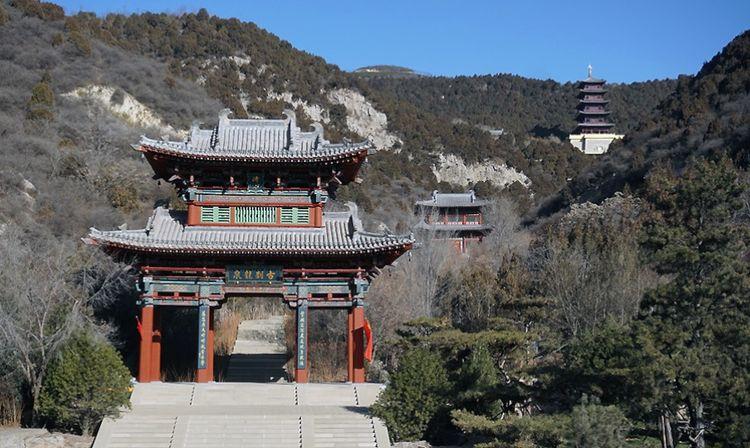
(594, 132)
(255, 225)
(454, 217)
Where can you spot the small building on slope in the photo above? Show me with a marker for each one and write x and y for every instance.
(455, 217)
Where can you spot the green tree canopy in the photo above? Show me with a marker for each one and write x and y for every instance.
(416, 399)
(697, 324)
(85, 384)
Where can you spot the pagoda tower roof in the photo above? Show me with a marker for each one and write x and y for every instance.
(254, 141)
(591, 80)
(584, 101)
(593, 112)
(166, 233)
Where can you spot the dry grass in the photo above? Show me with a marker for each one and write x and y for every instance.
(327, 356)
(328, 362)
(226, 327)
(10, 410)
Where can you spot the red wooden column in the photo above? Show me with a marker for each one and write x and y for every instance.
(147, 331)
(301, 364)
(204, 372)
(356, 344)
(156, 347)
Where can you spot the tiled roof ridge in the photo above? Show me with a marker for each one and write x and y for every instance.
(467, 199)
(342, 233)
(265, 139)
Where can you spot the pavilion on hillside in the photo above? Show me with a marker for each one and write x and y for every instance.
(454, 217)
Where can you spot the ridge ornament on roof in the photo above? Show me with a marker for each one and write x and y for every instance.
(255, 140)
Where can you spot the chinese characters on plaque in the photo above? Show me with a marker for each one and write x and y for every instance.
(203, 312)
(302, 336)
(254, 274)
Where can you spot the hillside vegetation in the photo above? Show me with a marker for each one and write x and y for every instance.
(706, 116)
(616, 323)
(248, 68)
(521, 105)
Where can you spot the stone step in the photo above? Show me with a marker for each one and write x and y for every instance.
(259, 354)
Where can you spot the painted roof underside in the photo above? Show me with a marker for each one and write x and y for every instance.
(255, 140)
(166, 233)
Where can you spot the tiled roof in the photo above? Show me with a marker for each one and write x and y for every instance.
(166, 233)
(468, 199)
(255, 140)
(592, 80)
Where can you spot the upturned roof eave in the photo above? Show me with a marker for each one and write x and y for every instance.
(351, 151)
(401, 246)
(431, 203)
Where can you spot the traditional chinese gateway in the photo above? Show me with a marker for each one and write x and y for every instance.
(254, 226)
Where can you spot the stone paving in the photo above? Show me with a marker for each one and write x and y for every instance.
(189, 415)
(259, 354)
(255, 408)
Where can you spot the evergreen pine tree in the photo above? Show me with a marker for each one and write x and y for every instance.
(416, 400)
(697, 324)
(85, 384)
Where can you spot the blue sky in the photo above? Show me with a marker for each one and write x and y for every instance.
(626, 40)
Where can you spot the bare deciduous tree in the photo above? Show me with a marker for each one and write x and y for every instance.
(47, 287)
(592, 271)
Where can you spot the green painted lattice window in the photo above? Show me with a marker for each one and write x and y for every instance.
(215, 215)
(295, 215)
(255, 215)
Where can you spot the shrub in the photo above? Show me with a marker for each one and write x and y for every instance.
(44, 10)
(415, 401)
(81, 43)
(592, 424)
(42, 100)
(537, 431)
(4, 17)
(85, 384)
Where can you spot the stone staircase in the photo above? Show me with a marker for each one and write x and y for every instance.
(189, 415)
(259, 354)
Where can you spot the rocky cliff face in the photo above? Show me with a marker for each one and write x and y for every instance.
(314, 111)
(123, 105)
(454, 170)
(363, 118)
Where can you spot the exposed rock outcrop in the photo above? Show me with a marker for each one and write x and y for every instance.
(452, 169)
(123, 105)
(314, 111)
(363, 118)
(41, 438)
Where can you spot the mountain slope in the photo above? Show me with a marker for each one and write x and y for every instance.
(254, 72)
(521, 105)
(708, 115)
(154, 61)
